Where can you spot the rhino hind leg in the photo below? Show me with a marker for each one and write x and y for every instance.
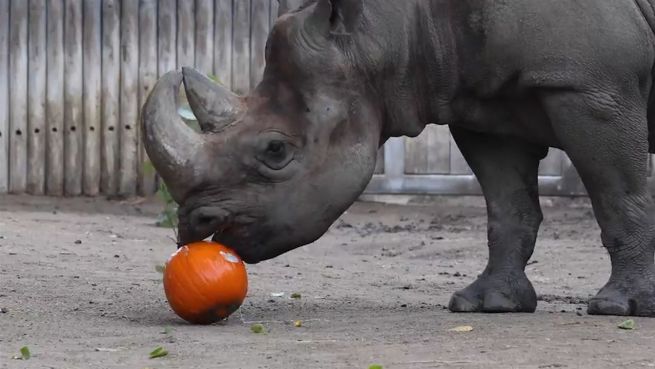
(607, 142)
(507, 171)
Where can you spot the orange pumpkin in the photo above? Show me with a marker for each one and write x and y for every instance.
(205, 282)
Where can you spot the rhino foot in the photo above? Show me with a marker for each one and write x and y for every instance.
(508, 293)
(632, 295)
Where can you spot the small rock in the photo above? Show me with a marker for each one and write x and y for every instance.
(578, 313)
(78, 242)
(3, 311)
(403, 305)
(117, 256)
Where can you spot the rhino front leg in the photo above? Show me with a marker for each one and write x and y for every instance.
(507, 171)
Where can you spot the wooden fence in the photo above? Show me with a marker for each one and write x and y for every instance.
(74, 74)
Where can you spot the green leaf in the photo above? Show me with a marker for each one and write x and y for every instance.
(375, 366)
(628, 325)
(214, 78)
(25, 353)
(257, 328)
(296, 296)
(148, 168)
(164, 194)
(158, 352)
(186, 113)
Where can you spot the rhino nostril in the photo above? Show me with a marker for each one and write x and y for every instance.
(205, 220)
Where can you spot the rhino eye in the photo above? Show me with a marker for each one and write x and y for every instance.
(276, 147)
(277, 155)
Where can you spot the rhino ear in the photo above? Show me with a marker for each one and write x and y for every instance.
(342, 16)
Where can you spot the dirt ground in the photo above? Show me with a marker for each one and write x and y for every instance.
(79, 287)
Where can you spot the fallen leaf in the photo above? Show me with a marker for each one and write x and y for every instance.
(158, 352)
(25, 354)
(258, 328)
(105, 349)
(375, 366)
(628, 325)
(296, 295)
(160, 268)
(462, 329)
(297, 323)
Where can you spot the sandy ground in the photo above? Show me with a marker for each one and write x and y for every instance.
(78, 285)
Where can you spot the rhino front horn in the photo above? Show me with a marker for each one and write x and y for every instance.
(172, 146)
(214, 105)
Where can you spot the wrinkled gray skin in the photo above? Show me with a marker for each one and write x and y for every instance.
(273, 170)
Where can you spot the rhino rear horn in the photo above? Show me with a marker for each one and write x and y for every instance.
(215, 106)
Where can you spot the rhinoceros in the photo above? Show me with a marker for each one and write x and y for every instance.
(271, 171)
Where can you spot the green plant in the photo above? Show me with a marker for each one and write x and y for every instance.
(168, 217)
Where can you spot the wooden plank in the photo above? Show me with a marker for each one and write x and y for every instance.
(36, 116)
(73, 90)
(551, 165)
(379, 164)
(289, 5)
(449, 184)
(394, 159)
(259, 18)
(204, 36)
(147, 79)
(92, 54)
(4, 96)
(241, 47)
(55, 98)
(570, 183)
(185, 34)
(18, 96)
(428, 153)
(166, 36)
(223, 41)
(458, 164)
(273, 12)
(110, 95)
(129, 98)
